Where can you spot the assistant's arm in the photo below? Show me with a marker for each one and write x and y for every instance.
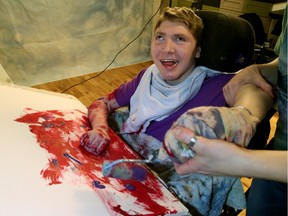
(219, 157)
(263, 76)
(254, 99)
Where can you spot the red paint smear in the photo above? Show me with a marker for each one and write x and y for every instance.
(59, 132)
(119, 210)
(52, 173)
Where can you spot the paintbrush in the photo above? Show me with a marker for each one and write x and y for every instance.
(131, 169)
(128, 169)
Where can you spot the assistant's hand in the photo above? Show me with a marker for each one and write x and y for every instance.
(212, 156)
(95, 141)
(249, 75)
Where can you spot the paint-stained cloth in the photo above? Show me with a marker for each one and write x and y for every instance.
(203, 195)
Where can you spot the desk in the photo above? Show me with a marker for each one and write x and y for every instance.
(44, 171)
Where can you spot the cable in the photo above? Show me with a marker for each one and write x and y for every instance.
(72, 86)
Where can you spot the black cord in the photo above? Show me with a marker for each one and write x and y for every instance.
(72, 86)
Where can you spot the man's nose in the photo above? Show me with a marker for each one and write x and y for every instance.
(169, 46)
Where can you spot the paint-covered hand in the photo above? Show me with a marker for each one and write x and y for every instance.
(174, 150)
(236, 125)
(95, 141)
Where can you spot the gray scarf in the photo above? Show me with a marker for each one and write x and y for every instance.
(155, 99)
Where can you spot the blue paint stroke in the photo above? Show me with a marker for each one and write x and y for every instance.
(98, 184)
(55, 162)
(130, 187)
(139, 173)
(72, 158)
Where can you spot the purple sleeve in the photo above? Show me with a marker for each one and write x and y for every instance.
(210, 94)
(126, 90)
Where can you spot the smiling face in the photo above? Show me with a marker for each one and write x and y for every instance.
(174, 51)
(175, 43)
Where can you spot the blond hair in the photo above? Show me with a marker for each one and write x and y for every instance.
(183, 15)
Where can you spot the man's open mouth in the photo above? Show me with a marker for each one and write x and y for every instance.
(169, 62)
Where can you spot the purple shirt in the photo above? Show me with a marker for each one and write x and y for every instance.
(210, 94)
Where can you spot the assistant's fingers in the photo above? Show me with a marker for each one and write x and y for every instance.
(186, 136)
(188, 167)
(229, 95)
(267, 88)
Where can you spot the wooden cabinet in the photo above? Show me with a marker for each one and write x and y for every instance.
(212, 5)
(232, 6)
(238, 7)
(263, 9)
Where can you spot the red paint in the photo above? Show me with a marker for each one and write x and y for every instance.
(59, 132)
(111, 96)
(94, 105)
(52, 173)
(170, 153)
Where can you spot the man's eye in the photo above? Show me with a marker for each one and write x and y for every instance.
(180, 39)
(159, 37)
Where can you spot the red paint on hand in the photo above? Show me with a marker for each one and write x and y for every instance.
(95, 141)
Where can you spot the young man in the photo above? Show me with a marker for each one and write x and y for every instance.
(157, 97)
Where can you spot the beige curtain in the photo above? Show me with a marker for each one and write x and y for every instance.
(47, 40)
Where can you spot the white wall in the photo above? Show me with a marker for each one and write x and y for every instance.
(43, 41)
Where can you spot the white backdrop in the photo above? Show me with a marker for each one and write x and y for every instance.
(43, 41)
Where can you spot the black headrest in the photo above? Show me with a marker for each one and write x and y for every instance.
(227, 43)
(257, 25)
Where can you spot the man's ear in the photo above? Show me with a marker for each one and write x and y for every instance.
(198, 53)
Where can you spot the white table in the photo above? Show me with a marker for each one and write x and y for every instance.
(29, 185)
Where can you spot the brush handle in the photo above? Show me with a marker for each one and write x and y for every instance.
(113, 163)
